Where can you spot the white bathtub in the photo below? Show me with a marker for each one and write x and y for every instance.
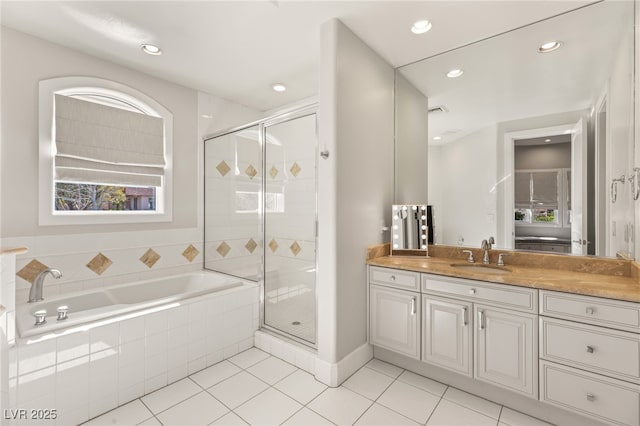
(116, 301)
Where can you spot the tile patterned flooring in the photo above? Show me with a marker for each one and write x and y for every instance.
(256, 388)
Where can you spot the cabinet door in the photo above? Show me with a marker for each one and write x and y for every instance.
(394, 316)
(446, 333)
(506, 349)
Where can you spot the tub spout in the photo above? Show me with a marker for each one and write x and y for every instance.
(35, 294)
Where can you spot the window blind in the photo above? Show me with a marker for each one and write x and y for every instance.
(101, 144)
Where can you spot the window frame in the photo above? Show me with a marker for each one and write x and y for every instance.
(47, 214)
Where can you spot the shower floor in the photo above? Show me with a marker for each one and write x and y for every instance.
(292, 311)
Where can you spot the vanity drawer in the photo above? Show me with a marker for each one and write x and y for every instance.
(509, 296)
(609, 400)
(601, 350)
(397, 278)
(592, 310)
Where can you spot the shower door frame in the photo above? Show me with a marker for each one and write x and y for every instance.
(283, 116)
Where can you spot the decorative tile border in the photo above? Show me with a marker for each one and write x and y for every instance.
(99, 264)
(190, 253)
(149, 258)
(31, 270)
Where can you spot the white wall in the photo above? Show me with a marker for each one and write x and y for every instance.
(436, 191)
(355, 184)
(411, 144)
(468, 210)
(620, 145)
(25, 61)
(636, 204)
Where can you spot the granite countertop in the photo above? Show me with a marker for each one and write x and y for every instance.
(609, 278)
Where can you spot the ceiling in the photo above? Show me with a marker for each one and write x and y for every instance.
(238, 49)
(505, 78)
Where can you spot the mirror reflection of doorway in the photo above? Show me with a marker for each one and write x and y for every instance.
(542, 193)
(546, 205)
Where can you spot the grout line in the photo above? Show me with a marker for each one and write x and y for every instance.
(313, 411)
(434, 410)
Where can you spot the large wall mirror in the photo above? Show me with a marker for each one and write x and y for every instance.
(529, 141)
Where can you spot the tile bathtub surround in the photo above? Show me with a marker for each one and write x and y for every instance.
(234, 392)
(89, 261)
(88, 372)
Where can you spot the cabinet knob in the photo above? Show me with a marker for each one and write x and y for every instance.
(590, 311)
(590, 397)
(393, 278)
(472, 291)
(590, 349)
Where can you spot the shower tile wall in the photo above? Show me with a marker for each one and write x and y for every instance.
(89, 261)
(233, 184)
(87, 372)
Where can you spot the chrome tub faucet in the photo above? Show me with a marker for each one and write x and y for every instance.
(35, 294)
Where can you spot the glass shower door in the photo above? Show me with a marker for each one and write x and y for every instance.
(290, 227)
(233, 199)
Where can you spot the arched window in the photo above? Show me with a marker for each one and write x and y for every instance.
(105, 154)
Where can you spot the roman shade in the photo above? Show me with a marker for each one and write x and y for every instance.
(101, 144)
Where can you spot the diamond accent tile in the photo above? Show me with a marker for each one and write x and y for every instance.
(295, 248)
(190, 253)
(251, 245)
(99, 263)
(295, 169)
(223, 168)
(31, 270)
(251, 171)
(273, 172)
(223, 249)
(149, 258)
(273, 245)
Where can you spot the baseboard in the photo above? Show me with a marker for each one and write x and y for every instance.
(333, 374)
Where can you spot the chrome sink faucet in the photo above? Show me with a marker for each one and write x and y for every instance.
(35, 294)
(486, 246)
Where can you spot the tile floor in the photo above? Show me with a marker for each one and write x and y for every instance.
(256, 388)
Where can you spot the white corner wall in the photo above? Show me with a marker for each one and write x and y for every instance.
(469, 212)
(355, 191)
(620, 146)
(411, 144)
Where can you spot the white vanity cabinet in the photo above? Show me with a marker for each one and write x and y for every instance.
(506, 351)
(446, 333)
(590, 356)
(505, 329)
(394, 314)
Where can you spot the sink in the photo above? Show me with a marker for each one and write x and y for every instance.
(481, 268)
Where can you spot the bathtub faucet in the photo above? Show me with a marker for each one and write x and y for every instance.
(35, 294)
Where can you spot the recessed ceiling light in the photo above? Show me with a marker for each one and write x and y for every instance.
(547, 140)
(421, 27)
(279, 87)
(455, 73)
(151, 49)
(437, 138)
(549, 47)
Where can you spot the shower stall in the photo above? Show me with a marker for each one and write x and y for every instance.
(260, 215)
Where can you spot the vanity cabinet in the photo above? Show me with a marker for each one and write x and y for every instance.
(590, 356)
(506, 350)
(394, 314)
(446, 333)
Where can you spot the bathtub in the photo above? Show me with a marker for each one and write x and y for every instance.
(120, 300)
